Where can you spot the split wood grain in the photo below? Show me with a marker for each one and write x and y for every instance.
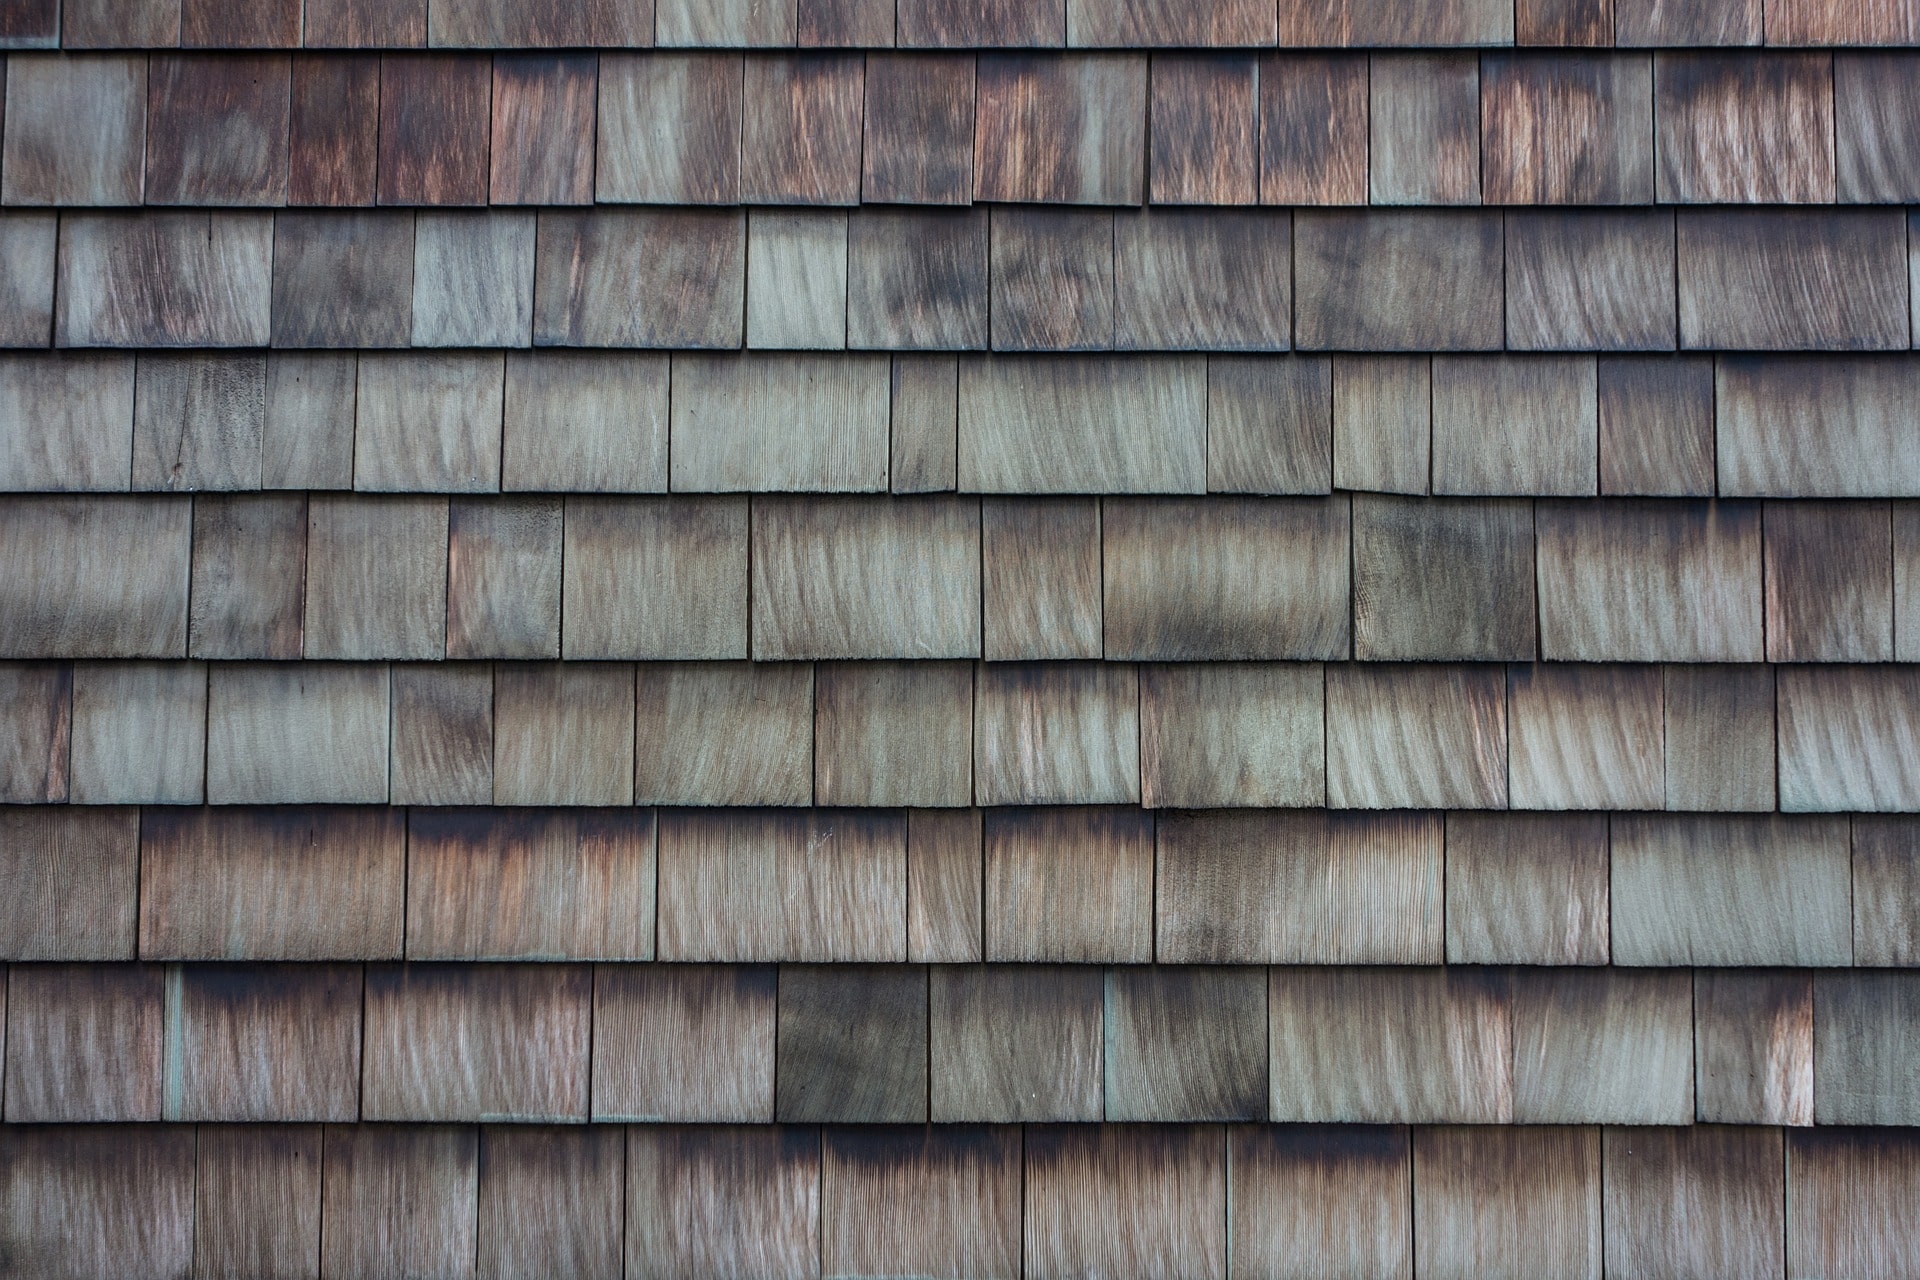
(1383, 423)
(1845, 1189)
(589, 266)
(917, 281)
(397, 1196)
(1269, 425)
(1847, 739)
(198, 421)
(262, 1043)
(1069, 885)
(585, 423)
(796, 280)
(1015, 1043)
(733, 1200)
(1203, 130)
(1397, 281)
(780, 422)
(542, 111)
(1656, 426)
(934, 1202)
(893, 733)
(1697, 1197)
(1584, 281)
(343, 279)
(1416, 736)
(441, 735)
(256, 1200)
(1065, 733)
(1112, 1200)
(307, 733)
(1507, 1202)
(655, 578)
(1603, 1045)
(1230, 735)
(334, 148)
(433, 129)
(99, 1201)
(428, 423)
(852, 1044)
(1753, 1046)
(76, 131)
(1442, 579)
(1060, 131)
(217, 129)
(503, 578)
(917, 144)
(683, 1043)
(1041, 578)
(1185, 1043)
(66, 421)
(551, 1198)
(84, 1043)
(669, 128)
(74, 874)
(165, 280)
(376, 577)
(563, 734)
(1567, 129)
(138, 733)
(1527, 889)
(724, 733)
(945, 884)
(1341, 1196)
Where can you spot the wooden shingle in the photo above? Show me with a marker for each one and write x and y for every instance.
(563, 733)
(99, 1201)
(1052, 279)
(272, 24)
(76, 131)
(1060, 130)
(27, 257)
(843, 23)
(589, 266)
(433, 129)
(1383, 423)
(1886, 887)
(1313, 129)
(655, 578)
(466, 1042)
(1584, 281)
(1397, 281)
(723, 1201)
(165, 280)
(1711, 22)
(249, 575)
(809, 885)
(333, 153)
(84, 1043)
(945, 883)
(1829, 581)
(1126, 1199)
(1751, 130)
(1442, 579)
(729, 23)
(1065, 733)
(1069, 885)
(1269, 424)
(1846, 1190)
(34, 24)
(1753, 1046)
(1816, 22)
(139, 733)
(1342, 1196)
(682, 1042)
(1423, 124)
(441, 736)
(1713, 890)
(1203, 130)
(399, 1192)
(1235, 22)
(428, 422)
(74, 874)
(782, 422)
(256, 1199)
(109, 24)
(1586, 737)
(342, 279)
(376, 577)
(473, 278)
(1864, 1065)
(551, 1197)
(36, 749)
(1906, 578)
(1847, 739)
(920, 1202)
(1041, 578)
(1571, 129)
(893, 733)
(1792, 280)
(1656, 425)
(585, 423)
(1791, 428)
(1503, 1203)
(917, 144)
(310, 408)
(964, 24)
(503, 578)
(724, 733)
(543, 110)
(1382, 22)
(669, 128)
(1514, 425)
(917, 280)
(1877, 128)
(198, 421)
(94, 578)
(1015, 1043)
(852, 1044)
(1416, 736)
(1228, 735)
(800, 129)
(1186, 1043)
(1186, 280)
(1563, 22)
(217, 129)
(796, 280)
(66, 422)
(262, 1042)
(484, 24)
(1527, 889)
(1602, 1045)
(299, 884)
(530, 884)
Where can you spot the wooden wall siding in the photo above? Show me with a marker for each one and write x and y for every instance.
(724, 734)
(1807, 429)
(585, 423)
(1762, 134)
(1338, 1195)
(1874, 146)
(1506, 425)
(1397, 282)
(1586, 737)
(1590, 281)
(654, 578)
(852, 1041)
(1791, 279)
(1402, 737)
(917, 140)
(1531, 889)
(1268, 425)
(137, 734)
(1210, 733)
(1753, 1046)
(1592, 1044)
(1068, 885)
(1846, 738)
(276, 1042)
(551, 1196)
(1883, 932)
(1015, 1043)
(1423, 145)
(342, 280)
(217, 130)
(334, 142)
(691, 1042)
(796, 280)
(96, 1201)
(166, 280)
(1185, 1042)
(398, 1196)
(896, 1202)
(1657, 426)
(1109, 1200)
(917, 280)
(724, 1200)
(1060, 131)
(75, 130)
(1442, 579)
(74, 874)
(1511, 1202)
(84, 1042)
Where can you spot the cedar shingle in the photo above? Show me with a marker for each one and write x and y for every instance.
(551, 1198)
(655, 578)
(563, 734)
(917, 147)
(473, 279)
(484, 884)
(198, 421)
(335, 125)
(1041, 578)
(310, 409)
(256, 1199)
(66, 422)
(1563, 22)
(1397, 281)
(30, 24)
(1095, 24)
(1341, 1196)
(1584, 281)
(343, 280)
(1602, 1045)
(1847, 1191)
(74, 876)
(1906, 578)
(1383, 423)
(1791, 280)
(1120, 1199)
(797, 280)
(1656, 425)
(94, 577)
(916, 1202)
(1877, 128)
(441, 734)
(1186, 1043)
(139, 733)
(428, 422)
(1061, 733)
(500, 24)
(392, 1192)
(843, 23)
(585, 423)
(1269, 425)
(76, 130)
(731, 23)
(376, 577)
(1060, 130)
(1507, 1201)
(1848, 739)
(1515, 425)
(1423, 117)
(893, 733)
(852, 1044)
(463, 1042)
(297, 733)
(1202, 281)
(1384, 22)
(98, 1201)
(1225, 735)
(84, 1043)
(1069, 886)
(1698, 22)
(724, 733)
(1886, 889)
(1442, 579)
(800, 129)
(165, 280)
(217, 129)
(780, 422)
(433, 129)
(1571, 129)
(27, 261)
(1829, 582)
(1015, 1043)
(263, 1042)
(808, 885)
(690, 264)
(1204, 129)
(1052, 280)
(503, 578)
(1841, 22)
(273, 24)
(723, 1201)
(917, 280)
(277, 884)
(1720, 738)
(669, 128)
(1586, 737)
(1864, 1063)
(1815, 428)
(1748, 130)
(1714, 890)
(1406, 736)
(683, 1042)
(134, 24)
(249, 574)
(1527, 889)
(543, 111)
(34, 754)
(1313, 129)
(963, 24)
(945, 879)
(1753, 1046)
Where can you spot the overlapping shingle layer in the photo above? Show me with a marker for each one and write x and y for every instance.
(960, 638)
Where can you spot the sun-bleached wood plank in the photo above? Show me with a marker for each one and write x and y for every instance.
(275, 884)
(1865, 1066)
(1851, 1196)
(1753, 1046)
(503, 578)
(1712, 890)
(297, 733)
(1527, 889)
(851, 1044)
(139, 733)
(682, 1042)
(1602, 1046)
(1069, 885)
(1397, 280)
(1269, 424)
(1514, 425)
(1126, 1200)
(1230, 735)
(1848, 738)
(1186, 1043)
(74, 877)
(1585, 281)
(1313, 129)
(1792, 279)
(655, 577)
(733, 1200)
(98, 1201)
(441, 734)
(1416, 736)
(256, 1200)
(66, 421)
(1423, 126)
(550, 1200)
(1442, 578)
(1566, 129)
(198, 421)
(780, 422)
(1014, 1043)
(401, 1196)
(1041, 578)
(1056, 733)
(36, 736)
(262, 1042)
(76, 130)
(724, 733)
(1753, 130)
(563, 733)
(933, 1202)
(1586, 737)
(1420, 1045)
(1829, 576)
(945, 885)
(427, 422)
(1720, 738)
(1823, 427)
(1656, 425)
(589, 266)
(530, 885)
(1886, 891)
(1507, 1202)
(473, 278)
(94, 577)
(1708, 1200)
(583, 422)
(893, 733)
(814, 885)
(1341, 1196)
(84, 1043)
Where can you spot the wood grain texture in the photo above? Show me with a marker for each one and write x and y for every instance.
(925, 426)
(1527, 889)
(852, 1044)
(1814, 428)
(1203, 133)
(723, 1201)
(74, 875)
(217, 129)
(165, 280)
(800, 129)
(1876, 129)
(342, 279)
(1269, 425)
(1841, 22)
(262, 1042)
(473, 278)
(433, 129)
(1753, 1046)
(503, 578)
(27, 255)
(1442, 579)
(66, 421)
(1754, 131)
(893, 733)
(551, 1198)
(945, 884)
(1504, 1203)
(780, 422)
(1663, 22)
(843, 23)
(309, 435)
(1313, 129)
(138, 733)
(1847, 739)
(1423, 129)
(88, 578)
(1906, 576)
(683, 1042)
(84, 1043)
(307, 733)
(36, 750)
(1886, 887)
(530, 885)
(1863, 1047)
(34, 24)
(1185, 1043)
(982, 23)
(917, 280)
(1229, 735)
(655, 578)
(1342, 1197)
(278, 884)
(98, 1201)
(106, 24)
(1563, 22)
(1644, 581)
(428, 423)
(441, 737)
(939, 1203)
(1567, 129)
(585, 423)
(1602, 1045)
(1153, 22)
(1420, 736)
(1514, 425)
(273, 24)
(1397, 281)
(866, 578)
(1383, 423)
(796, 280)
(1656, 426)
(249, 573)
(1695, 1198)
(1060, 131)
(731, 23)
(1185, 280)
(1131, 425)
(1015, 1043)
(1845, 1191)
(563, 734)
(1829, 575)
(1391, 1045)
(1065, 733)
(485, 24)
(256, 1201)
(690, 264)
(813, 886)
(399, 1199)
(1052, 279)
(1586, 737)
(1585, 281)
(669, 128)
(76, 130)
(1069, 885)
(542, 108)
(1126, 1199)
(724, 733)
(477, 1042)
(1041, 578)
(1380, 22)
(917, 143)
(376, 577)
(334, 145)
(1731, 891)
(1791, 280)
(198, 421)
